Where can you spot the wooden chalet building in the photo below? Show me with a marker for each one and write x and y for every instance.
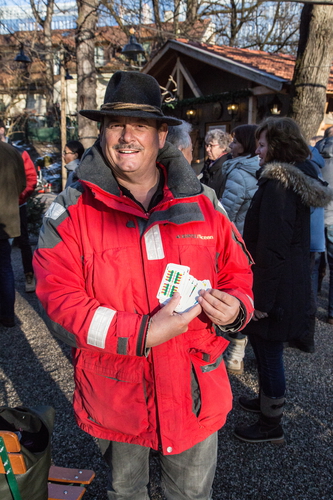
(221, 87)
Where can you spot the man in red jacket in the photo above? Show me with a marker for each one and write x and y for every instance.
(146, 376)
(23, 240)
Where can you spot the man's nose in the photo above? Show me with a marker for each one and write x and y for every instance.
(127, 133)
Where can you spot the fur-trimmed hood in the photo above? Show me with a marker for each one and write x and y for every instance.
(313, 191)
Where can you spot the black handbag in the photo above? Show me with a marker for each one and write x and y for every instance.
(34, 428)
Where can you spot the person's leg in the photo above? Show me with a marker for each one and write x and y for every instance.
(321, 270)
(189, 475)
(315, 259)
(329, 250)
(23, 241)
(26, 252)
(7, 285)
(272, 383)
(129, 470)
(269, 355)
(235, 353)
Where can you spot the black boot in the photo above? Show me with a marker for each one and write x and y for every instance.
(268, 428)
(251, 405)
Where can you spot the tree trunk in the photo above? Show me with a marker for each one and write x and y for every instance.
(312, 68)
(86, 71)
(46, 24)
(49, 75)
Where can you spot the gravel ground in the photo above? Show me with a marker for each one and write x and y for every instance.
(36, 369)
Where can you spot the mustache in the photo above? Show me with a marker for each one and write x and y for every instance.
(128, 146)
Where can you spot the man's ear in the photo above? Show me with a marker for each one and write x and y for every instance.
(162, 134)
(101, 128)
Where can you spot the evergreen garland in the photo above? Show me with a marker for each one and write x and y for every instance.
(225, 96)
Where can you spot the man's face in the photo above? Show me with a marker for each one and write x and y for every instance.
(2, 134)
(131, 144)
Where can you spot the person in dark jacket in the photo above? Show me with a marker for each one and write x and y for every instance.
(277, 234)
(325, 148)
(23, 241)
(217, 147)
(12, 183)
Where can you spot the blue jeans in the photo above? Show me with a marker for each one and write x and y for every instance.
(7, 284)
(329, 249)
(269, 355)
(186, 476)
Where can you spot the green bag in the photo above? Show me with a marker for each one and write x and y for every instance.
(34, 428)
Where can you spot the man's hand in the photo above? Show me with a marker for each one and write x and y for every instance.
(220, 307)
(166, 323)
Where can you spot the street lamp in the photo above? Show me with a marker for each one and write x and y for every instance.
(21, 57)
(133, 48)
(232, 109)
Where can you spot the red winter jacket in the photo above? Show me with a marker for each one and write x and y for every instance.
(31, 177)
(99, 264)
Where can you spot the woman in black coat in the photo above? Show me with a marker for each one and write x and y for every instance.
(277, 234)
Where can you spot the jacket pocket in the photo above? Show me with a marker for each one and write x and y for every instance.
(212, 398)
(112, 392)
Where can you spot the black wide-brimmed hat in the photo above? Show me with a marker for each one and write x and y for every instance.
(131, 94)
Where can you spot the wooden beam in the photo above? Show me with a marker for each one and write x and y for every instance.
(252, 110)
(261, 90)
(190, 80)
(180, 81)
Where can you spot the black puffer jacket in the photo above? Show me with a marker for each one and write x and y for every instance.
(213, 176)
(277, 233)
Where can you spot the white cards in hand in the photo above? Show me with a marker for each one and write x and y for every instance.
(177, 278)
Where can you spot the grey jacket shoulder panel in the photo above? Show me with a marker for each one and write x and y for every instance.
(210, 193)
(313, 192)
(57, 213)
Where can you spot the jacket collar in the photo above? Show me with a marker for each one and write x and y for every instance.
(181, 178)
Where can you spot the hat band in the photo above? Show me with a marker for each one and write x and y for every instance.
(129, 105)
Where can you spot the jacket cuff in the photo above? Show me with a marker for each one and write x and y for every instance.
(239, 322)
(141, 345)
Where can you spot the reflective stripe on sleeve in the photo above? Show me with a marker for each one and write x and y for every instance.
(250, 299)
(99, 327)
